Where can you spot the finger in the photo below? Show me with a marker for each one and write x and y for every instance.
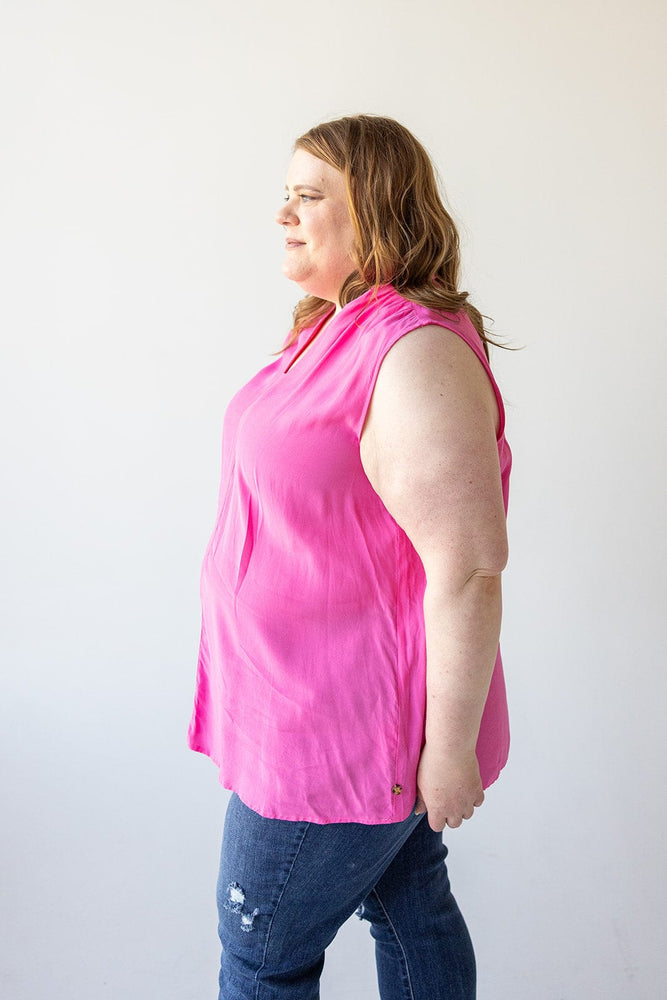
(420, 807)
(453, 822)
(480, 799)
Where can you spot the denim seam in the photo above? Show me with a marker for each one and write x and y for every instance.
(275, 910)
(398, 941)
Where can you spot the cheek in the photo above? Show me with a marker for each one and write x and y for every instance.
(344, 235)
(349, 235)
(348, 246)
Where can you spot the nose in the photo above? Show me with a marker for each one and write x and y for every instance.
(286, 216)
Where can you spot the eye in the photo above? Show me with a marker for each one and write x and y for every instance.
(302, 197)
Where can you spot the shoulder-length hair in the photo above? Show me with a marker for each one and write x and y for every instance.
(404, 234)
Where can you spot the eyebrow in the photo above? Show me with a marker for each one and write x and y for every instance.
(302, 187)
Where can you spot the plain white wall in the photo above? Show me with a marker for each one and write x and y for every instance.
(145, 144)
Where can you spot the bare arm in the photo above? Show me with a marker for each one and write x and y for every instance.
(429, 450)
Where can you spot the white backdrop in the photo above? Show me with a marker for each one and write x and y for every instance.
(145, 144)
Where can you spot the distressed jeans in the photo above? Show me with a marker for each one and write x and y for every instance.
(286, 887)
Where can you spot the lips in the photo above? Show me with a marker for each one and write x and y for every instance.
(294, 243)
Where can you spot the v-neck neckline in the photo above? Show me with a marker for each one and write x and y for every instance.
(313, 337)
(331, 318)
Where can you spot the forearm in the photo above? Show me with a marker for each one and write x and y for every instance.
(462, 632)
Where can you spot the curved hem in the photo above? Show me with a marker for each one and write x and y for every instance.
(304, 817)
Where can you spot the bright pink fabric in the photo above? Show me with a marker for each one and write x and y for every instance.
(311, 677)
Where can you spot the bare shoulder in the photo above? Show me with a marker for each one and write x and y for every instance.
(429, 449)
(427, 340)
(432, 368)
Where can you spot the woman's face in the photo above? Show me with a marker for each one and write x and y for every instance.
(319, 236)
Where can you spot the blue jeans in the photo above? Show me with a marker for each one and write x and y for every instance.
(286, 887)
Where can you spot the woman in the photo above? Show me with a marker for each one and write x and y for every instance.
(350, 687)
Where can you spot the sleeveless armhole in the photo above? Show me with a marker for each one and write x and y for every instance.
(461, 326)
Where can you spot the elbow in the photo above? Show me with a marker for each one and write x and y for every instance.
(490, 559)
(494, 560)
(452, 572)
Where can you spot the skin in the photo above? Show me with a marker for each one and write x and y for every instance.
(315, 213)
(429, 450)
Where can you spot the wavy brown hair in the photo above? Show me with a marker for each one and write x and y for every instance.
(404, 234)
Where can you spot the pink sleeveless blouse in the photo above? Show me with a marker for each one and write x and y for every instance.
(310, 691)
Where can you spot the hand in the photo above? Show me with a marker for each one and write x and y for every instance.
(449, 787)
